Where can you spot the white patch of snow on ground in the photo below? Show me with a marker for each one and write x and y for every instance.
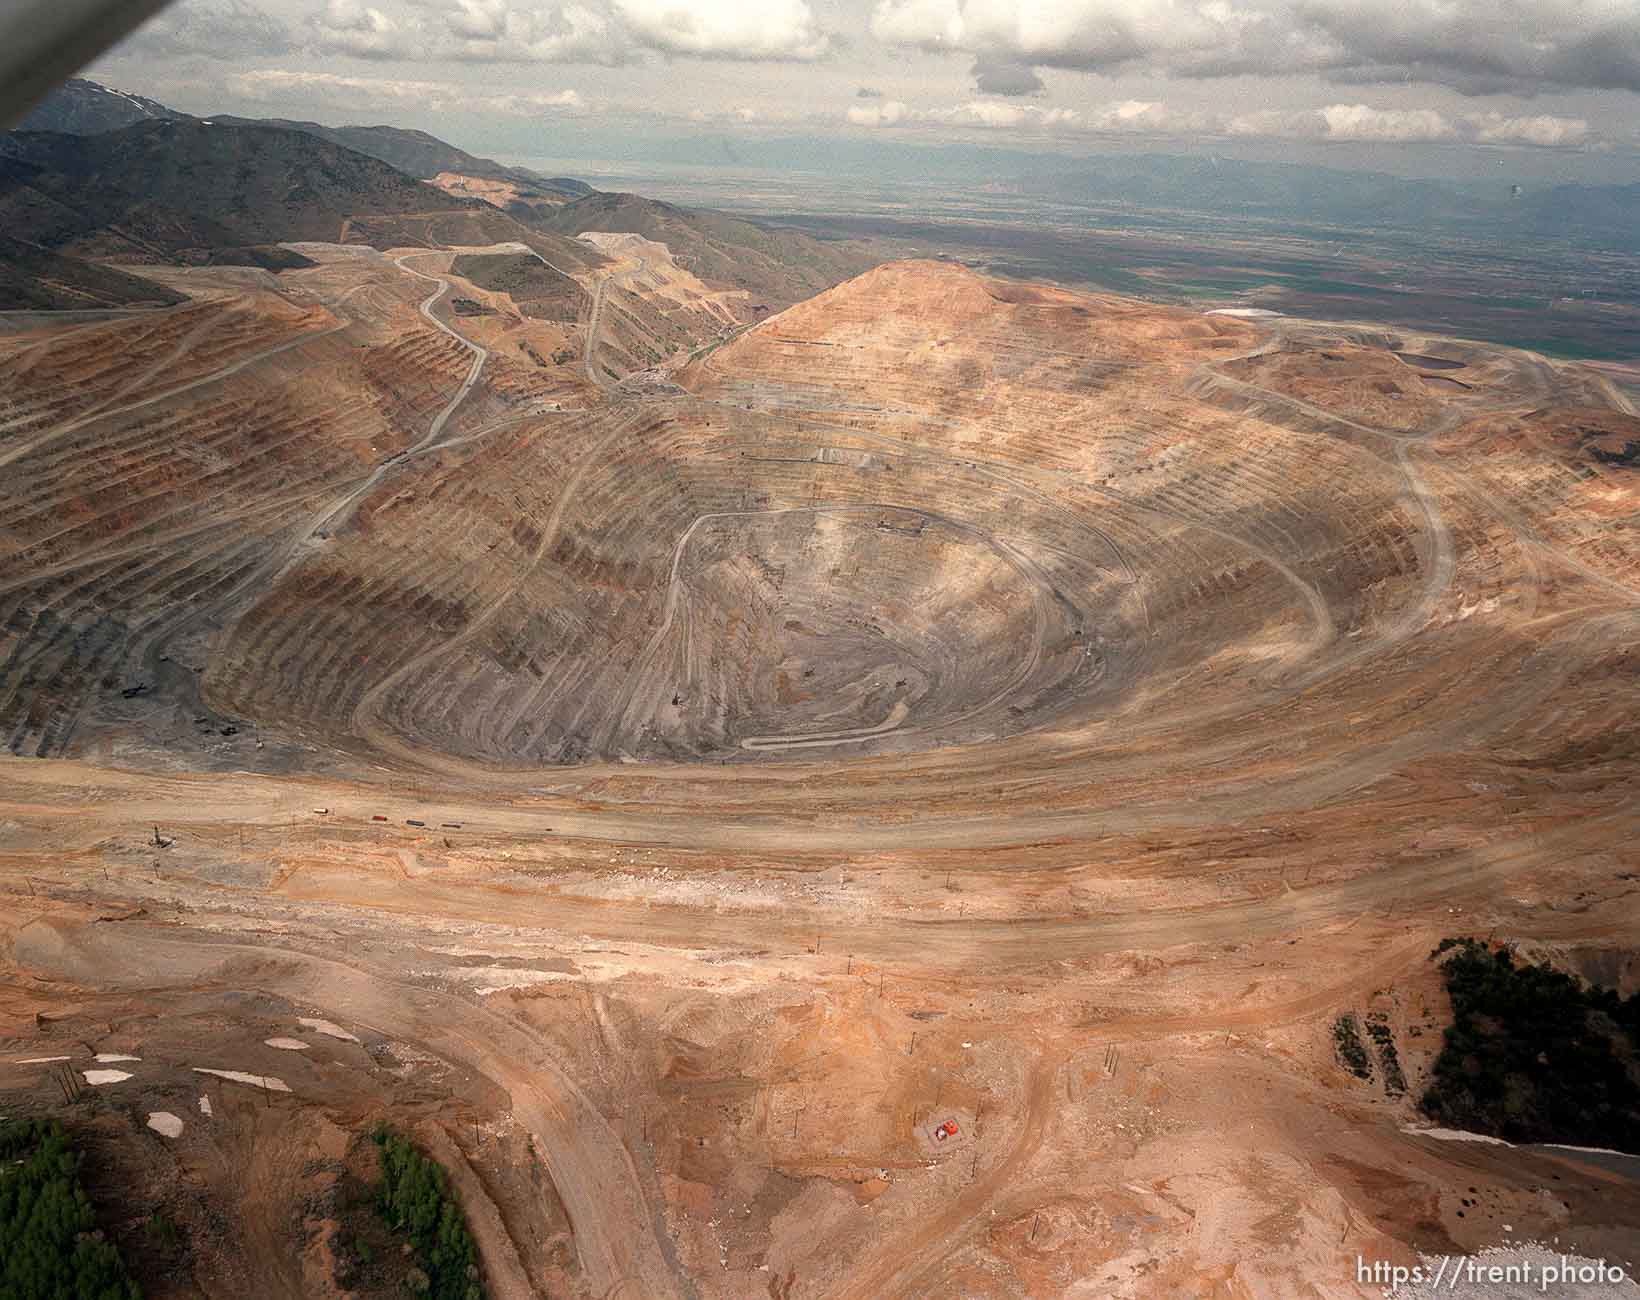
(239, 1076)
(1454, 1135)
(204, 1105)
(109, 1057)
(1593, 1151)
(1247, 313)
(325, 1027)
(95, 1077)
(287, 1044)
(165, 1123)
(40, 1060)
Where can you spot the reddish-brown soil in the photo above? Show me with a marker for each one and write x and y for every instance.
(698, 765)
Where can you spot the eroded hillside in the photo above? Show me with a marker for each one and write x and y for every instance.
(892, 800)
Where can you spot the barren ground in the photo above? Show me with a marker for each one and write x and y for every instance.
(689, 765)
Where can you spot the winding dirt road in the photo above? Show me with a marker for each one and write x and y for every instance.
(592, 1171)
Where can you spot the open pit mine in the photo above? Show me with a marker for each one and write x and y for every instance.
(910, 796)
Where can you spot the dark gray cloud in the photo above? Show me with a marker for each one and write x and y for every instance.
(221, 29)
(868, 92)
(1472, 46)
(607, 32)
(994, 77)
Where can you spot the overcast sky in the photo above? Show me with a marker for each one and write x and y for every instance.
(1544, 84)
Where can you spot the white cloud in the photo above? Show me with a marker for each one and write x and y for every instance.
(1494, 128)
(927, 24)
(1359, 122)
(493, 31)
(725, 29)
(744, 114)
(277, 85)
(888, 112)
(289, 87)
(991, 113)
(536, 105)
(365, 32)
(1471, 45)
(1139, 116)
(1335, 122)
(987, 113)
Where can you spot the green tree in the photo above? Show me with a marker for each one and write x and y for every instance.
(415, 1198)
(1533, 1055)
(50, 1248)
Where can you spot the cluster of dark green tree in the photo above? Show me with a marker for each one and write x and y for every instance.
(1535, 1055)
(415, 1198)
(50, 1248)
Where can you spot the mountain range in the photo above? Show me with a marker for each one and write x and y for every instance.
(106, 177)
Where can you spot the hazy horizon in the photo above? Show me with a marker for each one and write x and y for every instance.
(1546, 95)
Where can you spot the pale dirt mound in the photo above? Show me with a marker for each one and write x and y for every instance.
(52, 950)
(497, 193)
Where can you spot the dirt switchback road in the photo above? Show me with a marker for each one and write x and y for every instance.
(618, 1239)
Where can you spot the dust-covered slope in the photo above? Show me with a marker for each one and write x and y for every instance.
(777, 267)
